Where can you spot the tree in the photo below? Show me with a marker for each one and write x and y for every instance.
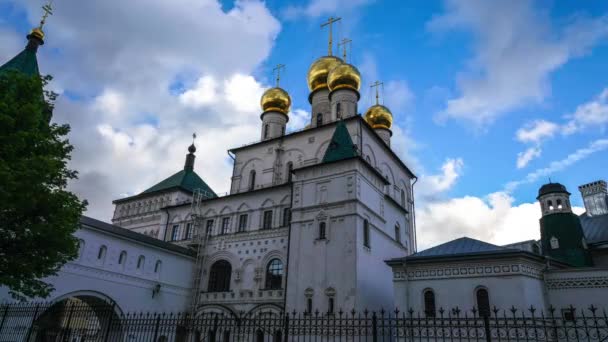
(37, 215)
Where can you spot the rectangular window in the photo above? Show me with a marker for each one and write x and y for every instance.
(209, 227)
(308, 305)
(286, 216)
(267, 222)
(225, 225)
(243, 222)
(366, 234)
(330, 305)
(175, 233)
(189, 231)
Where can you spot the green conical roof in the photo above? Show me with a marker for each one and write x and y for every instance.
(25, 62)
(341, 145)
(185, 179)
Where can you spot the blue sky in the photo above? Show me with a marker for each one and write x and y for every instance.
(474, 86)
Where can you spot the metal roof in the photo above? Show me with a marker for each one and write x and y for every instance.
(595, 228)
(463, 245)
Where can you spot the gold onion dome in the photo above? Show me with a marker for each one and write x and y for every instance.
(317, 74)
(276, 100)
(378, 116)
(344, 76)
(37, 32)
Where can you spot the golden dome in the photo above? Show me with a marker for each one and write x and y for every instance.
(276, 100)
(379, 116)
(317, 74)
(38, 33)
(344, 76)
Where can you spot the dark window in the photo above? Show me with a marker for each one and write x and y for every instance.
(282, 130)
(265, 131)
(338, 110)
(243, 222)
(322, 230)
(309, 305)
(102, 252)
(289, 169)
(267, 222)
(140, 262)
(225, 225)
(189, 231)
(397, 233)
(175, 232)
(122, 257)
(366, 233)
(319, 119)
(429, 303)
(219, 276)
(209, 227)
(157, 266)
(274, 274)
(286, 216)
(330, 305)
(403, 197)
(252, 180)
(483, 302)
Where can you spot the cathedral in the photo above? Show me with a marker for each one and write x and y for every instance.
(320, 219)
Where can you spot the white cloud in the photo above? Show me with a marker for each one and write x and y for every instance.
(536, 131)
(432, 185)
(298, 119)
(316, 8)
(516, 49)
(593, 114)
(525, 157)
(204, 93)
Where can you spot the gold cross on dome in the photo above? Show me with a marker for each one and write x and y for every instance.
(329, 23)
(344, 43)
(377, 85)
(48, 10)
(278, 70)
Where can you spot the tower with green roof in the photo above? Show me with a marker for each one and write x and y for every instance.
(562, 236)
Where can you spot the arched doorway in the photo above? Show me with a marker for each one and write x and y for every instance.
(79, 317)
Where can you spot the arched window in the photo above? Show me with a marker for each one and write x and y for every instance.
(429, 303)
(309, 305)
(322, 230)
(397, 233)
(265, 131)
(554, 242)
(274, 274)
(252, 180)
(403, 197)
(122, 258)
(140, 262)
(483, 302)
(219, 276)
(319, 119)
(330, 305)
(550, 204)
(101, 255)
(338, 110)
(157, 266)
(559, 204)
(366, 233)
(289, 169)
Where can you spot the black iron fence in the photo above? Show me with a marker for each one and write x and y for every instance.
(78, 322)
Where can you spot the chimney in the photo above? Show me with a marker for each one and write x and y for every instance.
(595, 197)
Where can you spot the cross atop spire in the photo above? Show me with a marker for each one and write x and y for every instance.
(278, 71)
(329, 23)
(377, 85)
(48, 10)
(344, 43)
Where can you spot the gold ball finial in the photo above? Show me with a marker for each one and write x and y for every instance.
(276, 100)
(319, 70)
(378, 116)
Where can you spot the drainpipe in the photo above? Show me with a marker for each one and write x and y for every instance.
(288, 248)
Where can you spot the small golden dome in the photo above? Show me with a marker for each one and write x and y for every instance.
(38, 33)
(317, 74)
(276, 100)
(379, 116)
(344, 76)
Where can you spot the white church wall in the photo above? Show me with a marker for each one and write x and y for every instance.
(579, 287)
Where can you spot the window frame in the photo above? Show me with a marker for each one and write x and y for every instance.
(366, 234)
(286, 216)
(267, 219)
(484, 308)
(274, 274)
(225, 227)
(243, 220)
(322, 230)
(215, 283)
(175, 232)
(430, 303)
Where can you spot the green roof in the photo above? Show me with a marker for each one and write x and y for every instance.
(25, 62)
(341, 145)
(185, 179)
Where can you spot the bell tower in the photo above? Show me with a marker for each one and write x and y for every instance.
(561, 233)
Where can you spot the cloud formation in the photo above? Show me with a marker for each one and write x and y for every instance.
(516, 49)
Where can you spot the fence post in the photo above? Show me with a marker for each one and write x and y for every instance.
(374, 327)
(3, 317)
(486, 324)
(286, 329)
(111, 313)
(156, 328)
(29, 332)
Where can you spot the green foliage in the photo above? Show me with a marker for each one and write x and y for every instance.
(37, 215)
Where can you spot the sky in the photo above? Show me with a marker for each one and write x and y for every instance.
(491, 99)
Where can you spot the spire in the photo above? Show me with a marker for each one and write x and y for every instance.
(278, 70)
(344, 43)
(329, 23)
(377, 85)
(189, 166)
(341, 145)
